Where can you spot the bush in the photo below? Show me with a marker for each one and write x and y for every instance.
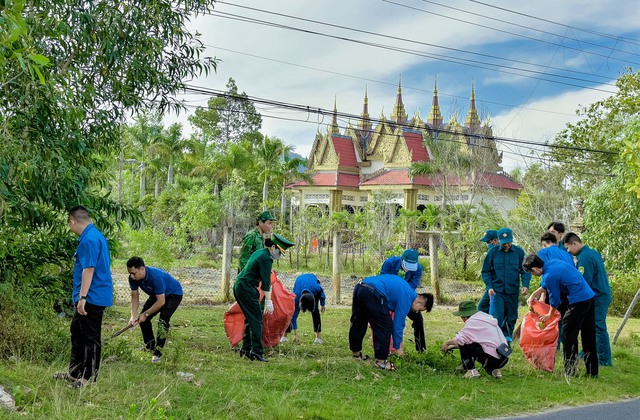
(30, 327)
(624, 287)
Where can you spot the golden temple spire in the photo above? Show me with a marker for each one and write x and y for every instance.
(334, 124)
(473, 120)
(399, 115)
(435, 115)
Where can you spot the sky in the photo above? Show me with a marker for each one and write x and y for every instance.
(532, 64)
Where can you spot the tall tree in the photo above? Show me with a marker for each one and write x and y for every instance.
(269, 155)
(70, 72)
(170, 147)
(591, 145)
(226, 118)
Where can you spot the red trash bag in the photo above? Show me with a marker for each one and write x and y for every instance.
(273, 325)
(539, 342)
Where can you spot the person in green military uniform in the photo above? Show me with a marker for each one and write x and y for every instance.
(245, 290)
(502, 273)
(591, 266)
(252, 241)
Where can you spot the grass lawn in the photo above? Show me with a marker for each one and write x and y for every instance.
(303, 381)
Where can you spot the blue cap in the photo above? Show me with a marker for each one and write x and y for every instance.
(505, 235)
(489, 235)
(410, 260)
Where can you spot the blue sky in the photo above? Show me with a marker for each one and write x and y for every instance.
(579, 47)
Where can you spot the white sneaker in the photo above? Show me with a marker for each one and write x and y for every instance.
(156, 359)
(318, 341)
(497, 374)
(284, 339)
(471, 374)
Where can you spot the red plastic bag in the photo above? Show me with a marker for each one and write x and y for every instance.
(273, 325)
(539, 341)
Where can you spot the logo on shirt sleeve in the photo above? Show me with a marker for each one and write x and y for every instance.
(581, 270)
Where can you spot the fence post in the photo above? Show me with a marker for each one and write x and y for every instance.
(337, 249)
(433, 258)
(227, 248)
(627, 315)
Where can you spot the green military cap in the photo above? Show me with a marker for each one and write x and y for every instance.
(466, 308)
(281, 242)
(265, 215)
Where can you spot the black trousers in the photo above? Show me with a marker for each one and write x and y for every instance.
(472, 353)
(315, 316)
(580, 318)
(86, 342)
(152, 343)
(370, 307)
(418, 330)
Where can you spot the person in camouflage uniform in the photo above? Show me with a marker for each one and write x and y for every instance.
(253, 240)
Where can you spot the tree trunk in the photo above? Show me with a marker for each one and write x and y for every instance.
(265, 194)
(143, 183)
(170, 175)
(120, 170)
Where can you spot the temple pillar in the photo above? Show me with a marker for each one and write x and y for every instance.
(410, 200)
(335, 201)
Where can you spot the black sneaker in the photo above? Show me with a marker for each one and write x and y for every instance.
(258, 357)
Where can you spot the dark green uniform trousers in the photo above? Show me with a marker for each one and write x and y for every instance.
(248, 299)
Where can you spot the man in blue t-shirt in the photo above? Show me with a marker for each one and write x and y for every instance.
(373, 300)
(92, 293)
(165, 295)
(407, 266)
(579, 317)
(309, 297)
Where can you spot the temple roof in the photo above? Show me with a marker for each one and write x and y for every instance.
(330, 179)
(401, 177)
(416, 146)
(343, 145)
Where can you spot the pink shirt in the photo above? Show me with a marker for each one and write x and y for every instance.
(483, 329)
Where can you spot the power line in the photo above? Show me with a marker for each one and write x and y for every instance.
(509, 23)
(456, 60)
(324, 112)
(518, 71)
(517, 156)
(591, 31)
(440, 93)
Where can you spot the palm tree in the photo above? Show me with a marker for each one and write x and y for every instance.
(269, 154)
(170, 147)
(147, 128)
(290, 171)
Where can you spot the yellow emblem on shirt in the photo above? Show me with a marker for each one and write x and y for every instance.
(581, 269)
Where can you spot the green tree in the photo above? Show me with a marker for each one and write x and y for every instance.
(543, 199)
(590, 146)
(226, 119)
(71, 71)
(170, 148)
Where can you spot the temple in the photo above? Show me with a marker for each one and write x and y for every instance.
(463, 165)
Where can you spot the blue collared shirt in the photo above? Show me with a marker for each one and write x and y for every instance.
(157, 282)
(558, 276)
(306, 283)
(93, 251)
(554, 252)
(400, 297)
(393, 265)
(592, 268)
(502, 271)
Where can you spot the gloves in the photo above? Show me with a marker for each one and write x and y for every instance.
(268, 306)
